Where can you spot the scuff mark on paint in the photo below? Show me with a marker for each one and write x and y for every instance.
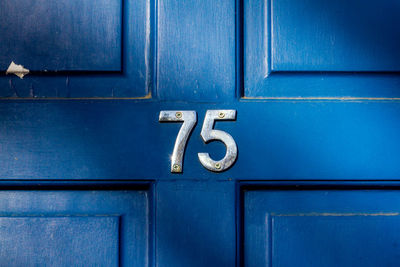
(18, 70)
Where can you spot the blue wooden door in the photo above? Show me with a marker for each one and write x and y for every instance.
(85, 164)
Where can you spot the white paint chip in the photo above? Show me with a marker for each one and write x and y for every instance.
(18, 70)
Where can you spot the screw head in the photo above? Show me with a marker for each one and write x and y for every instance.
(221, 115)
(218, 166)
(178, 114)
(176, 168)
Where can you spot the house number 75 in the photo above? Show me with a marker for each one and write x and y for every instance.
(208, 134)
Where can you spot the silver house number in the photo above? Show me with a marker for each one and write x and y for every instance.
(208, 134)
(189, 119)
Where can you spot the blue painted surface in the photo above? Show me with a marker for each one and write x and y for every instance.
(195, 223)
(196, 50)
(64, 227)
(353, 227)
(77, 49)
(320, 48)
(68, 160)
(59, 241)
(112, 140)
(61, 36)
(342, 35)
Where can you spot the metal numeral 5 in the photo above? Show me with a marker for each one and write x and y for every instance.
(208, 134)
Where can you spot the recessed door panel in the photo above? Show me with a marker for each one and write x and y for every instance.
(321, 227)
(323, 35)
(343, 239)
(321, 49)
(59, 241)
(74, 228)
(76, 49)
(64, 35)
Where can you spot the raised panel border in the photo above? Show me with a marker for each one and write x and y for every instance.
(135, 81)
(261, 244)
(142, 220)
(259, 82)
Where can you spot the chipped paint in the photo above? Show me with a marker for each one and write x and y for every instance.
(16, 69)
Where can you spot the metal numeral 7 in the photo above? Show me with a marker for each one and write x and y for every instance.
(189, 119)
(208, 134)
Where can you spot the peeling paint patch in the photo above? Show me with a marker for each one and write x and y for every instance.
(18, 70)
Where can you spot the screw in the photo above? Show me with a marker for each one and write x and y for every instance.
(218, 166)
(176, 168)
(178, 114)
(221, 115)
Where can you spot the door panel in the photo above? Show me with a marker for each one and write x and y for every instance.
(60, 241)
(65, 227)
(320, 49)
(61, 35)
(321, 227)
(77, 49)
(323, 35)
